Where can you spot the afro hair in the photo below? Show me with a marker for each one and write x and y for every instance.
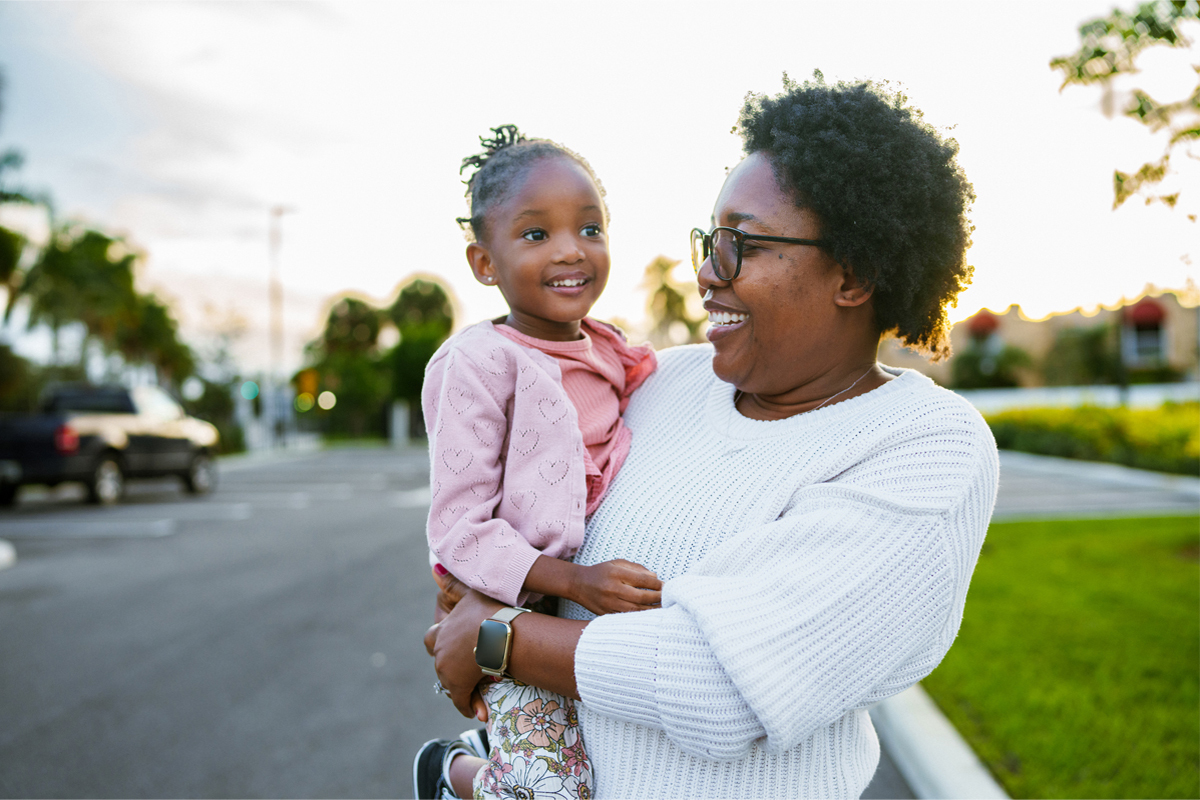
(890, 195)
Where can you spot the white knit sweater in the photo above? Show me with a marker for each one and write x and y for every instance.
(813, 566)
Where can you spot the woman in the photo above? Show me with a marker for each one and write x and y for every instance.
(815, 516)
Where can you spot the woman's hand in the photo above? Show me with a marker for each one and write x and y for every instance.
(451, 642)
(450, 591)
(543, 653)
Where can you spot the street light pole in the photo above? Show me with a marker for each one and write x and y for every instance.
(275, 333)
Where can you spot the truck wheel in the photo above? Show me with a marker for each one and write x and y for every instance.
(8, 494)
(201, 476)
(107, 483)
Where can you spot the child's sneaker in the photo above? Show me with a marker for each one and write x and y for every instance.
(431, 769)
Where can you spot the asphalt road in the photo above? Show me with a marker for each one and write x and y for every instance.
(261, 642)
(264, 641)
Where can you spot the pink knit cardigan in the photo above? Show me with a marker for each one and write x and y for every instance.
(506, 456)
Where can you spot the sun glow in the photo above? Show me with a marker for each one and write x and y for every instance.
(215, 113)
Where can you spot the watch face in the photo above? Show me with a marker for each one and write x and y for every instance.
(493, 641)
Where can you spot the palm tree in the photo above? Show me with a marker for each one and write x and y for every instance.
(12, 244)
(151, 335)
(667, 305)
(82, 277)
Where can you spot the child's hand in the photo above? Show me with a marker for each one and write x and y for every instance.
(616, 586)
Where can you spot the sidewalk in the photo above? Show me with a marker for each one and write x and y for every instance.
(1043, 487)
(933, 759)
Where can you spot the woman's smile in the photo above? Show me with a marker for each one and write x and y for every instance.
(723, 321)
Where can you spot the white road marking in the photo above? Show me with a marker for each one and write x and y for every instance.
(182, 512)
(413, 498)
(273, 500)
(274, 487)
(88, 529)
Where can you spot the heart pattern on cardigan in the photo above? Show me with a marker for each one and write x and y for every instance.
(526, 441)
(460, 399)
(552, 410)
(496, 363)
(450, 515)
(457, 461)
(467, 549)
(485, 432)
(553, 471)
(523, 501)
(551, 528)
(526, 378)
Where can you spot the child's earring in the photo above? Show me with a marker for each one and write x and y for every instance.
(488, 279)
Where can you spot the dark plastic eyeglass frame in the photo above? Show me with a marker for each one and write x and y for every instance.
(740, 237)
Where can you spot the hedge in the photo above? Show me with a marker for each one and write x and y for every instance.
(1166, 439)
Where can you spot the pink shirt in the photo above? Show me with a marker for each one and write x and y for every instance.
(508, 463)
(594, 379)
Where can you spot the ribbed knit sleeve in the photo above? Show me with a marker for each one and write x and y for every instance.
(788, 644)
(624, 651)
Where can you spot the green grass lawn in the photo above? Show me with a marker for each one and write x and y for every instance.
(1077, 669)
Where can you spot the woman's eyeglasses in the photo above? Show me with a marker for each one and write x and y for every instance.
(724, 246)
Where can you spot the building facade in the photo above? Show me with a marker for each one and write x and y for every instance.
(1153, 339)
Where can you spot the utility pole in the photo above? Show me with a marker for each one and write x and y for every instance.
(272, 406)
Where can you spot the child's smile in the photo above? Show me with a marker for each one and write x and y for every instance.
(547, 249)
(572, 284)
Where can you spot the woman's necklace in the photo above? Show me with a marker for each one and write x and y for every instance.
(738, 395)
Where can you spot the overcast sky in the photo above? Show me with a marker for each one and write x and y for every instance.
(180, 125)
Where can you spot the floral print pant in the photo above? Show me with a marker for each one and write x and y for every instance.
(536, 747)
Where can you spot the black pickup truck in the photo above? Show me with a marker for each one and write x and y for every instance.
(101, 435)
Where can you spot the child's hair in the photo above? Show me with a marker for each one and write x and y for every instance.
(505, 155)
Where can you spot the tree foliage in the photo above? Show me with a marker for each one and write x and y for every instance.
(1085, 357)
(423, 316)
(351, 327)
(988, 364)
(1110, 47)
(668, 307)
(84, 276)
(347, 358)
(12, 243)
(12, 246)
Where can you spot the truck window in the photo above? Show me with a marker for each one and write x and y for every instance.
(89, 402)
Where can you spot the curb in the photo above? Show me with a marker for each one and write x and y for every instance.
(930, 753)
(8, 554)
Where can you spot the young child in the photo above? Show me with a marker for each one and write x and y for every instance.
(524, 415)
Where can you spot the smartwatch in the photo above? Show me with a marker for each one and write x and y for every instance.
(495, 641)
